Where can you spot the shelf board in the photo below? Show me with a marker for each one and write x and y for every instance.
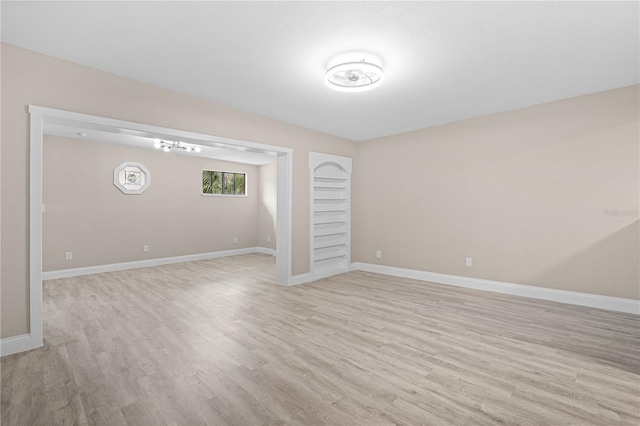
(330, 211)
(328, 179)
(330, 258)
(342, 200)
(341, 222)
(330, 246)
(331, 235)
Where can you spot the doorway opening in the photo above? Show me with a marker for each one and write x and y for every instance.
(47, 121)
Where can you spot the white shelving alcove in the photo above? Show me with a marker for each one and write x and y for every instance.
(330, 214)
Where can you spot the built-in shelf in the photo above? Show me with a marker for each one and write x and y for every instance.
(330, 214)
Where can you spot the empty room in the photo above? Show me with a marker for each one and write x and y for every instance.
(320, 213)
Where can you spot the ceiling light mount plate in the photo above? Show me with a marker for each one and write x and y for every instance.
(354, 76)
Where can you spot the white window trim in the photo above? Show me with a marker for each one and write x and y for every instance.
(225, 195)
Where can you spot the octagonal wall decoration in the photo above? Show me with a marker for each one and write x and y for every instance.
(131, 178)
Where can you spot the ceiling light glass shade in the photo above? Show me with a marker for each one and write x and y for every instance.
(354, 76)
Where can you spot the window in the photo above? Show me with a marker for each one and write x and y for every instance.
(227, 183)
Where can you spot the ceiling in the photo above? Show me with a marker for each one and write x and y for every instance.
(443, 61)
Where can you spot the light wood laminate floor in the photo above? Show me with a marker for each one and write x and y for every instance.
(218, 342)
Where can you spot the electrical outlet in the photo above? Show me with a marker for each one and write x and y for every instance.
(68, 255)
(468, 261)
(145, 249)
(268, 239)
(235, 240)
(378, 254)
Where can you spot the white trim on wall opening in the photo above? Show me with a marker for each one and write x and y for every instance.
(39, 115)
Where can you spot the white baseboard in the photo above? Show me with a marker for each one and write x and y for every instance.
(265, 250)
(574, 298)
(300, 279)
(308, 277)
(89, 270)
(15, 344)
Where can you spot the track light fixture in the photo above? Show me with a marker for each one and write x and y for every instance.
(169, 145)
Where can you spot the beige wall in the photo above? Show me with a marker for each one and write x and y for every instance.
(267, 205)
(523, 193)
(32, 78)
(87, 215)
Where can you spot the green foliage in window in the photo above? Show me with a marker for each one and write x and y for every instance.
(217, 182)
(207, 182)
(214, 182)
(239, 182)
(229, 184)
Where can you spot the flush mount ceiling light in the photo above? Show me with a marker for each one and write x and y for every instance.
(169, 145)
(354, 76)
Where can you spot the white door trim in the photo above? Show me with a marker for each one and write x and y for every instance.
(39, 115)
